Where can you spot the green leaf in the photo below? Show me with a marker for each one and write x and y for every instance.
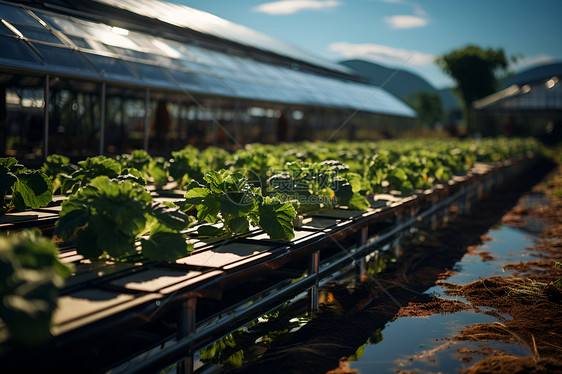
(165, 246)
(355, 180)
(276, 219)
(214, 181)
(343, 191)
(170, 216)
(27, 319)
(238, 225)
(209, 211)
(30, 273)
(8, 162)
(197, 195)
(133, 175)
(7, 180)
(358, 202)
(68, 224)
(87, 244)
(211, 231)
(115, 243)
(34, 189)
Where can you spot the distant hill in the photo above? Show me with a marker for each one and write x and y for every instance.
(403, 84)
(534, 74)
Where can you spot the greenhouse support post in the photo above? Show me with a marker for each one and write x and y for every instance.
(46, 115)
(186, 327)
(102, 119)
(146, 127)
(313, 270)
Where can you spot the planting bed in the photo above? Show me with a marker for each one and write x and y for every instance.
(109, 313)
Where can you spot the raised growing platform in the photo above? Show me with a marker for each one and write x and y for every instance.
(139, 317)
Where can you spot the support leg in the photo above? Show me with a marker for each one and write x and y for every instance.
(186, 327)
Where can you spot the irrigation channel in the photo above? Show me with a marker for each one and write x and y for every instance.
(152, 316)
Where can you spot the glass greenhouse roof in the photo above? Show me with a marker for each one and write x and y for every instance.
(51, 43)
(206, 23)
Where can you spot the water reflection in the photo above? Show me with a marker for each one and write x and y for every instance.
(505, 243)
(253, 340)
(405, 343)
(424, 343)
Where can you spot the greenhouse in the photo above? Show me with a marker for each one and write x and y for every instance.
(103, 77)
(180, 193)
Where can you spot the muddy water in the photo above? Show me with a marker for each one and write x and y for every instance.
(504, 244)
(426, 343)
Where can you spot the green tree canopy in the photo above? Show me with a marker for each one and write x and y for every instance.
(475, 70)
(428, 106)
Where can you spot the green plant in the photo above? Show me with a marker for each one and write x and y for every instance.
(152, 169)
(57, 168)
(318, 185)
(30, 276)
(229, 199)
(185, 166)
(21, 188)
(107, 217)
(93, 167)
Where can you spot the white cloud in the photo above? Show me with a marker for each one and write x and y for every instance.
(284, 7)
(420, 19)
(406, 22)
(382, 53)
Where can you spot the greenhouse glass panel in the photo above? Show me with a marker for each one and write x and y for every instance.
(17, 15)
(111, 36)
(39, 34)
(215, 85)
(130, 53)
(61, 57)
(152, 74)
(64, 25)
(13, 49)
(186, 80)
(79, 42)
(168, 49)
(196, 67)
(111, 67)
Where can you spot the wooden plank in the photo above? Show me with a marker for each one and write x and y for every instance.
(152, 280)
(88, 306)
(222, 255)
(185, 285)
(319, 222)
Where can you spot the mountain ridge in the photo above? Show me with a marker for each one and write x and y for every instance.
(403, 83)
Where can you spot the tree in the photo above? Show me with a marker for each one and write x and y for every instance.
(428, 106)
(475, 70)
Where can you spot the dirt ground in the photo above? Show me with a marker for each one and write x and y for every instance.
(526, 304)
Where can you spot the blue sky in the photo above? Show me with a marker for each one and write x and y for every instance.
(402, 32)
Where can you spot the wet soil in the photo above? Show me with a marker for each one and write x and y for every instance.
(528, 310)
